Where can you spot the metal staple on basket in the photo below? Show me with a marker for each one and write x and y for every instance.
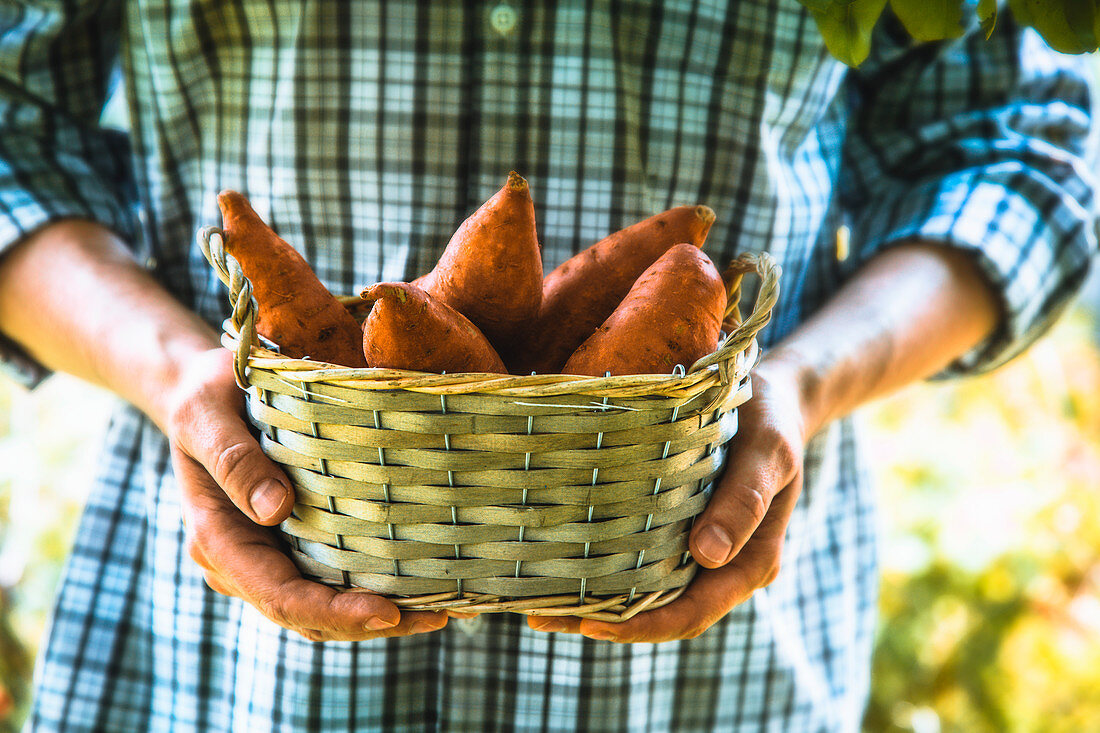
(591, 507)
(656, 490)
(540, 494)
(526, 467)
(331, 501)
(386, 498)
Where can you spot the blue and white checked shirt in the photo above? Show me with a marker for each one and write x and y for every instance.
(365, 132)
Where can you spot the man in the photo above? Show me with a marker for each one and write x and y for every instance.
(365, 132)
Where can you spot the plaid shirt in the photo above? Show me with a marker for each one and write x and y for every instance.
(365, 132)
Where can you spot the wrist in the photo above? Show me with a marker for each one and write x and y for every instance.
(173, 359)
(787, 364)
(111, 324)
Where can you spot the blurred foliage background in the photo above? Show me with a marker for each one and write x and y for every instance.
(991, 548)
(991, 538)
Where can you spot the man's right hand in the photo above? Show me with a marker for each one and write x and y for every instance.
(231, 494)
(131, 336)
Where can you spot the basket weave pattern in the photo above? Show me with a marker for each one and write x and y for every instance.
(544, 494)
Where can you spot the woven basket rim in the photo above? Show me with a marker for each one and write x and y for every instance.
(518, 386)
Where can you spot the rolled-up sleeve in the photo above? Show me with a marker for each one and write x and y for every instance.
(56, 160)
(986, 145)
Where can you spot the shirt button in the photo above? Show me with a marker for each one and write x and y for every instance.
(503, 19)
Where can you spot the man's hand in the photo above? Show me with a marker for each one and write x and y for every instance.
(906, 314)
(738, 538)
(133, 338)
(231, 493)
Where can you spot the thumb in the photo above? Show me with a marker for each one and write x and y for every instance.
(212, 432)
(756, 470)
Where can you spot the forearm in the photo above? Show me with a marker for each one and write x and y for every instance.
(907, 314)
(75, 299)
(72, 295)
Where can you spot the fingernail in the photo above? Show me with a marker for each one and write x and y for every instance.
(422, 627)
(600, 635)
(266, 498)
(377, 623)
(713, 543)
(549, 624)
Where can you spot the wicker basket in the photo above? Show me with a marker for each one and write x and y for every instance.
(544, 495)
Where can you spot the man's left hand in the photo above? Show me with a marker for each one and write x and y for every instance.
(738, 538)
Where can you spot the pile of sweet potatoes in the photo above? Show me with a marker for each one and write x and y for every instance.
(639, 301)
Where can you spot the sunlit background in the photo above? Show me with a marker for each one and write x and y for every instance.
(990, 495)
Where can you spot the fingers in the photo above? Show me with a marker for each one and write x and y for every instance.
(206, 423)
(712, 594)
(216, 437)
(741, 500)
(213, 579)
(243, 559)
(228, 489)
(412, 622)
(218, 584)
(763, 458)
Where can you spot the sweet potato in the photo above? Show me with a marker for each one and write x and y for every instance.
(296, 310)
(582, 292)
(491, 270)
(672, 315)
(409, 329)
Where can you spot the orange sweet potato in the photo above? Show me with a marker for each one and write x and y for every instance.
(672, 315)
(582, 292)
(491, 270)
(409, 329)
(296, 311)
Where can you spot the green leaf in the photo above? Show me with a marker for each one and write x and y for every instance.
(930, 20)
(1081, 16)
(1068, 26)
(987, 14)
(846, 27)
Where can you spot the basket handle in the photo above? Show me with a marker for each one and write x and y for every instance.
(243, 318)
(745, 331)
